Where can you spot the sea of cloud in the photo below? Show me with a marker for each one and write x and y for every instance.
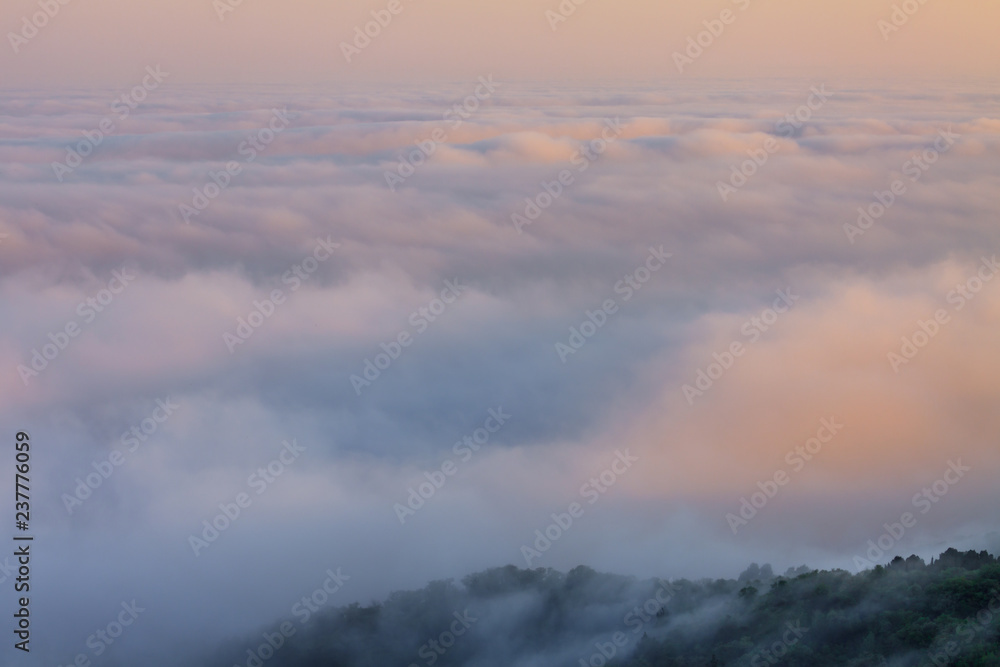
(543, 206)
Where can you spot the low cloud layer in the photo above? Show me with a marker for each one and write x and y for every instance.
(646, 302)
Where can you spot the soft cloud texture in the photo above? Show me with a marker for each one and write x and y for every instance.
(495, 346)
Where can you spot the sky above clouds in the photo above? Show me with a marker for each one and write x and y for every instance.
(198, 41)
(664, 268)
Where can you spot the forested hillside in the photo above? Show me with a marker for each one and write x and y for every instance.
(907, 613)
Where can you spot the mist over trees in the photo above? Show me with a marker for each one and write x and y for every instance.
(905, 613)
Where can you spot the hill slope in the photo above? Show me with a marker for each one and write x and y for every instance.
(907, 613)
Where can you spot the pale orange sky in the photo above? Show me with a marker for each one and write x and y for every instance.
(110, 42)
